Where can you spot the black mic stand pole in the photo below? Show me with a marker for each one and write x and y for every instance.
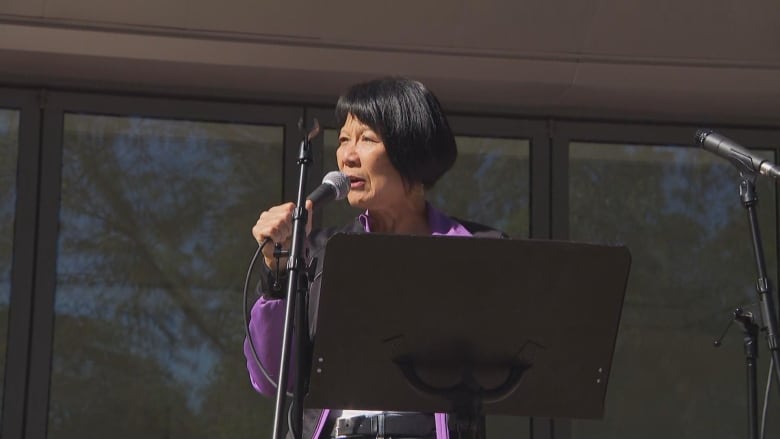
(751, 355)
(297, 288)
(747, 194)
(750, 329)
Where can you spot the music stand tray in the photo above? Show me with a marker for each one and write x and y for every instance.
(444, 308)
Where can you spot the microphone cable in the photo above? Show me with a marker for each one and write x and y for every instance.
(246, 318)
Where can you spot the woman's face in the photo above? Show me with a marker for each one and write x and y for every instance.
(361, 155)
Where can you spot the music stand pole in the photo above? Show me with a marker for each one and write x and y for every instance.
(747, 194)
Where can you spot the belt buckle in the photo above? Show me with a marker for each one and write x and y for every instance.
(347, 427)
(378, 425)
(380, 428)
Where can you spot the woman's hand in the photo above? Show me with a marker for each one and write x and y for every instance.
(276, 223)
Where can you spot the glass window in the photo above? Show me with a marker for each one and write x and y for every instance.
(153, 248)
(9, 151)
(678, 211)
(489, 184)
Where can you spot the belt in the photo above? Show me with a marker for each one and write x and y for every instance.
(382, 425)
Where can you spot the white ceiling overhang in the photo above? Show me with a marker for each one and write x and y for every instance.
(662, 61)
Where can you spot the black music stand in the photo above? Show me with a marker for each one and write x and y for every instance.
(469, 326)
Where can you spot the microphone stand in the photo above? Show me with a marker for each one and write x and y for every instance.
(750, 330)
(297, 289)
(747, 194)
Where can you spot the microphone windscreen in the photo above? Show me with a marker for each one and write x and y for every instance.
(339, 181)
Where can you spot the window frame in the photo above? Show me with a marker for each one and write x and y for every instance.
(56, 106)
(27, 102)
(35, 236)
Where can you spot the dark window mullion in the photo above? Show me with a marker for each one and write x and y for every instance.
(559, 185)
(45, 275)
(22, 274)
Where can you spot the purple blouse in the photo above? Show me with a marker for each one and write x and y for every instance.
(267, 325)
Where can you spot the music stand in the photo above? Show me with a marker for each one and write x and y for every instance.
(441, 324)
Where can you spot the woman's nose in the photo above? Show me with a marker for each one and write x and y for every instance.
(349, 156)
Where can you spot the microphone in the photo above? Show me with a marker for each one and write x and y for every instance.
(335, 186)
(743, 159)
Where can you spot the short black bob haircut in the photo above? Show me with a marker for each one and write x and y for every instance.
(410, 122)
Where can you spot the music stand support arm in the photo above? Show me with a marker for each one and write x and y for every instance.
(467, 397)
(297, 288)
(747, 194)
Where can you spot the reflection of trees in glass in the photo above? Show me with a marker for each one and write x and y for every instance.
(154, 243)
(489, 184)
(678, 211)
(9, 150)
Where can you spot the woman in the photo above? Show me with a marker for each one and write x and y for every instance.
(394, 144)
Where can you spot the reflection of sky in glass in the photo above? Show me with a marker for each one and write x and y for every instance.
(630, 193)
(678, 211)
(149, 336)
(489, 183)
(678, 189)
(9, 149)
(152, 214)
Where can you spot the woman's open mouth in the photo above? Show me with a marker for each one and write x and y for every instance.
(356, 182)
